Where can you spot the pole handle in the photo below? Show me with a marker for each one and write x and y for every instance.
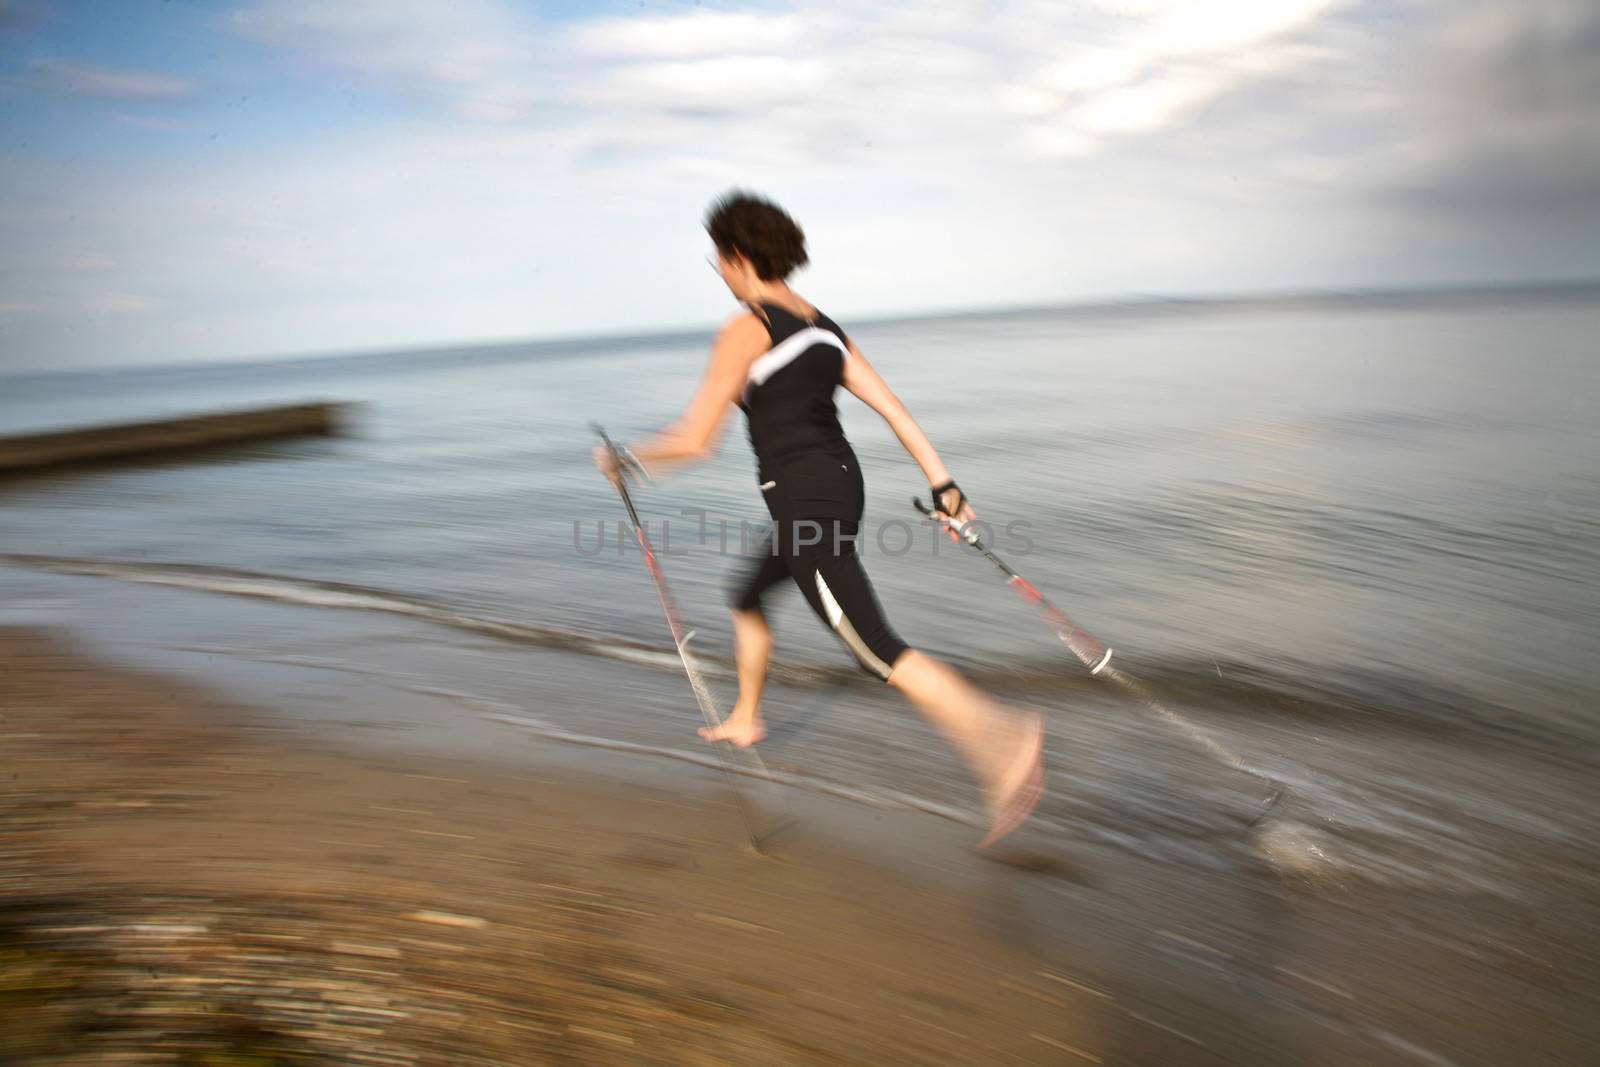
(621, 483)
(963, 530)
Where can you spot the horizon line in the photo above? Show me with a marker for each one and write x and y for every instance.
(1106, 303)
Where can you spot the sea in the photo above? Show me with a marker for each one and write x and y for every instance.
(1356, 536)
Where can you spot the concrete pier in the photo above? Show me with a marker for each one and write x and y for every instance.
(32, 451)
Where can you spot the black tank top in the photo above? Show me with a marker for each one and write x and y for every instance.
(788, 398)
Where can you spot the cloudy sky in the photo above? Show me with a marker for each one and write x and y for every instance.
(198, 179)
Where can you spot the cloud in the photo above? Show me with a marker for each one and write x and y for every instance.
(713, 86)
(688, 36)
(1012, 83)
(1180, 28)
(109, 83)
(89, 261)
(475, 57)
(895, 72)
(119, 304)
(1510, 95)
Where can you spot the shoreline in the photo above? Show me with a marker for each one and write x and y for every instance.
(182, 872)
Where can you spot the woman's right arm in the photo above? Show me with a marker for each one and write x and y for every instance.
(693, 435)
(868, 385)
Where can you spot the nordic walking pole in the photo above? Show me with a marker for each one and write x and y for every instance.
(681, 637)
(1097, 657)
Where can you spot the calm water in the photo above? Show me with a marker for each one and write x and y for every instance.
(1394, 502)
(1386, 510)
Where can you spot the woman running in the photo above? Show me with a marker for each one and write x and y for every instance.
(781, 362)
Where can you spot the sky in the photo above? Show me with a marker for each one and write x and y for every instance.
(184, 180)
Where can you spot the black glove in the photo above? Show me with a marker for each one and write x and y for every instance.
(938, 499)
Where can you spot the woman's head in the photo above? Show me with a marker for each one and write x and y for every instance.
(757, 242)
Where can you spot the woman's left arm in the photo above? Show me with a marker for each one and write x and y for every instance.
(865, 382)
(693, 435)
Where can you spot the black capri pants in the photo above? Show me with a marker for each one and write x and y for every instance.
(816, 501)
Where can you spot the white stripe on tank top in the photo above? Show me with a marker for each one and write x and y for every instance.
(785, 352)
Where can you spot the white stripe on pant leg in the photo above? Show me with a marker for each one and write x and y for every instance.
(847, 633)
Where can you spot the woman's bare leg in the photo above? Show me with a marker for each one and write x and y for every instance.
(1001, 745)
(752, 648)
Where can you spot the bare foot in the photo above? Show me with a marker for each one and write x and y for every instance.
(740, 730)
(1022, 784)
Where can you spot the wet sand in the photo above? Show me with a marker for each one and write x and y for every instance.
(187, 880)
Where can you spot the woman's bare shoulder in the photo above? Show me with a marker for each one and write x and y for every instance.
(746, 321)
(742, 338)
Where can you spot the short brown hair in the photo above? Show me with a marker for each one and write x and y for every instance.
(761, 231)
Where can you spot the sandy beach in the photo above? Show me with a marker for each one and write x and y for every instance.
(187, 880)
